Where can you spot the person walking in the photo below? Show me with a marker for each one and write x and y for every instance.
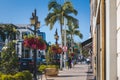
(69, 63)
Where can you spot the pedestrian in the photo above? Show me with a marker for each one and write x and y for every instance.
(69, 63)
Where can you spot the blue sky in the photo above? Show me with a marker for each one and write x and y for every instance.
(20, 12)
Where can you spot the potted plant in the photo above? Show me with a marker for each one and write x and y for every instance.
(49, 70)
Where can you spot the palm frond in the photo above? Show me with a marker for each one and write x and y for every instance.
(77, 33)
(71, 20)
(54, 5)
(68, 8)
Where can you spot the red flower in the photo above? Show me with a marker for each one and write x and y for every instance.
(34, 42)
(56, 49)
(72, 54)
(59, 50)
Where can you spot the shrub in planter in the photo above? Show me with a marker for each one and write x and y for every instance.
(7, 77)
(42, 68)
(52, 66)
(50, 70)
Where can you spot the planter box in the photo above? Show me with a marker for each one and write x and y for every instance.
(51, 71)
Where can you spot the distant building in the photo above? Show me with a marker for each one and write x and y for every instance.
(23, 29)
(22, 51)
(42, 34)
(87, 46)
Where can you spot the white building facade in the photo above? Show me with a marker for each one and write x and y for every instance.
(22, 51)
(118, 38)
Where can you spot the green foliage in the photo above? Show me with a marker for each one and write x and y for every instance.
(9, 63)
(7, 77)
(19, 76)
(28, 75)
(8, 29)
(52, 66)
(43, 67)
(25, 75)
(49, 56)
(0, 75)
(57, 12)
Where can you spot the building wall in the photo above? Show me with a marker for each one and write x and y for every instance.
(111, 40)
(107, 49)
(102, 40)
(95, 29)
(98, 59)
(118, 39)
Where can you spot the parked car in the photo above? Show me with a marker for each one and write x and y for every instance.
(26, 64)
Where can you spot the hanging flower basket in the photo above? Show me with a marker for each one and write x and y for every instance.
(56, 49)
(34, 42)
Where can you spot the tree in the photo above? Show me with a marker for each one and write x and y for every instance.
(9, 59)
(8, 31)
(73, 30)
(58, 12)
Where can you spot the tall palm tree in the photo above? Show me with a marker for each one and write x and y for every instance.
(58, 12)
(72, 31)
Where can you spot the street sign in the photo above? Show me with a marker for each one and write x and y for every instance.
(64, 48)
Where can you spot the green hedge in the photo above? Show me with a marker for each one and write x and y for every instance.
(25, 75)
(7, 77)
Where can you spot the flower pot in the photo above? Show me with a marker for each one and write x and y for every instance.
(51, 71)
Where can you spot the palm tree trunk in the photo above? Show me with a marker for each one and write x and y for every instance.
(71, 43)
(61, 56)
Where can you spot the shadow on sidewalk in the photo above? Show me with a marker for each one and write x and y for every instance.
(49, 79)
(90, 75)
(70, 75)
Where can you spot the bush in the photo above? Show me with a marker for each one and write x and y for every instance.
(27, 75)
(9, 59)
(42, 68)
(0, 75)
(52, 66)
(7, 77)
(19, 76)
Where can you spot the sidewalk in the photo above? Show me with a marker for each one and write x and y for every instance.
(78, 72)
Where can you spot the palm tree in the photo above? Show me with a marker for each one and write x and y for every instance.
(72, 31)
(58, 12)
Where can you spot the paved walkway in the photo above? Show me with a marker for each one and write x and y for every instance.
(78, 72)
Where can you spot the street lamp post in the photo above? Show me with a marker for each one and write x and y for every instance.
(36, 24)
(56, 37)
